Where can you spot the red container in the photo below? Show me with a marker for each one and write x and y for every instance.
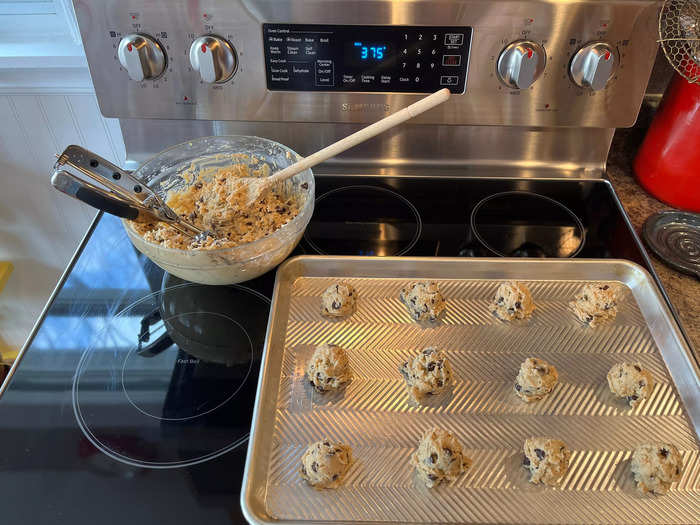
(668, 163)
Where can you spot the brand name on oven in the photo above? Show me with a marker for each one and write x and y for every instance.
(365, 107)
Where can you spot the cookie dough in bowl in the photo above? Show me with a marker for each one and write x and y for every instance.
(328, 368)
(338, 300)
(512, 301)
(428, 373)
(631, 382)
(198, 180)
(547, 459)
(596, 303)
(656, 466)
(439, 457)
(324, 464)
(535, 380)
(423, 300)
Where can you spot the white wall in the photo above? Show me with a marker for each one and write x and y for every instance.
(39, 227)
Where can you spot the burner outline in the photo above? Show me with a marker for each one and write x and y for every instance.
(160, 465)
(414, 210)
(485, 200)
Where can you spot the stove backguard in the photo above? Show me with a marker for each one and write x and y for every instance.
(296, 71)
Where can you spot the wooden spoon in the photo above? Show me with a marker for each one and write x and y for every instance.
(256, 186)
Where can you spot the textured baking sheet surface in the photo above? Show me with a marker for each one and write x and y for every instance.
(375, 417)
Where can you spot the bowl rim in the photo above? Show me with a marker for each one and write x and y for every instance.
(292, 226)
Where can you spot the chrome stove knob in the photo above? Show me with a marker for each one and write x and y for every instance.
(214, 58)
(141, 56)
(593, 65)
(521, 63)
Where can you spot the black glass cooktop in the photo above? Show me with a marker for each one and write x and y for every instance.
(132, 403)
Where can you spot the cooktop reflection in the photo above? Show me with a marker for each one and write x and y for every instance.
(134, 396)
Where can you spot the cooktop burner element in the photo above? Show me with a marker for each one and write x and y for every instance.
(525, 224)
(181, 371)
(363, 220)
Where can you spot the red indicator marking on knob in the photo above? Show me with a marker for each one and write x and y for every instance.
(529, 53)
(607, 55)
(184, 98)
(204, 48)
(129, 47)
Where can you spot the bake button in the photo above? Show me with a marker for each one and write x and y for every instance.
(349, 80)
(451, 60)
(367, 79)
(385, 79)
(454, 39)
(449, 80)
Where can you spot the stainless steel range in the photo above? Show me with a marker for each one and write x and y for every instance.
(539, 85)
(134, 394)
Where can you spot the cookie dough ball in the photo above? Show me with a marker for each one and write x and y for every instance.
(656, 466)
(338, 300)
(427, 373)
(324, 464)
(535, 380)
(423, 300)
(630, 381)
(512, 301)
(547, 459)
(596, 303)
(328, 368)
(439, 457)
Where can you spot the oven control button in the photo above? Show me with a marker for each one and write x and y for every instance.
(214, 58)
(141, 56)
(521, 63)
(593, 65)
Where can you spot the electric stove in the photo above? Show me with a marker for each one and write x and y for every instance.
(131, 402)
(134, 396)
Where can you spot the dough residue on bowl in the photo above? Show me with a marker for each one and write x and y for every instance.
(215, 200)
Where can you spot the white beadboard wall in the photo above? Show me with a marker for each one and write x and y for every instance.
(39, 227)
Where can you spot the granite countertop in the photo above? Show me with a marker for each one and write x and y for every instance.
(682, 289)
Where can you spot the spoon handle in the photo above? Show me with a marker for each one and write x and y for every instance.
(362, 135)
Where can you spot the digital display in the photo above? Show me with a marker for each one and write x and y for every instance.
(359, 52)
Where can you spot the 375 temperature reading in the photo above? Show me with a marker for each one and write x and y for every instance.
(370, 52)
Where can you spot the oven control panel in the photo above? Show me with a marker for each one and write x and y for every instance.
(527, 63)
(406, 59)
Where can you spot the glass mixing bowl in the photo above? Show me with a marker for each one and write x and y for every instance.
(164, 172)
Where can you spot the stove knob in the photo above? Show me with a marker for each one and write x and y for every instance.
(593, 65)
(214, 58)
(141, 56)
(521, 63)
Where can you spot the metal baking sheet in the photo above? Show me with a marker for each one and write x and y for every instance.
(374, 416)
